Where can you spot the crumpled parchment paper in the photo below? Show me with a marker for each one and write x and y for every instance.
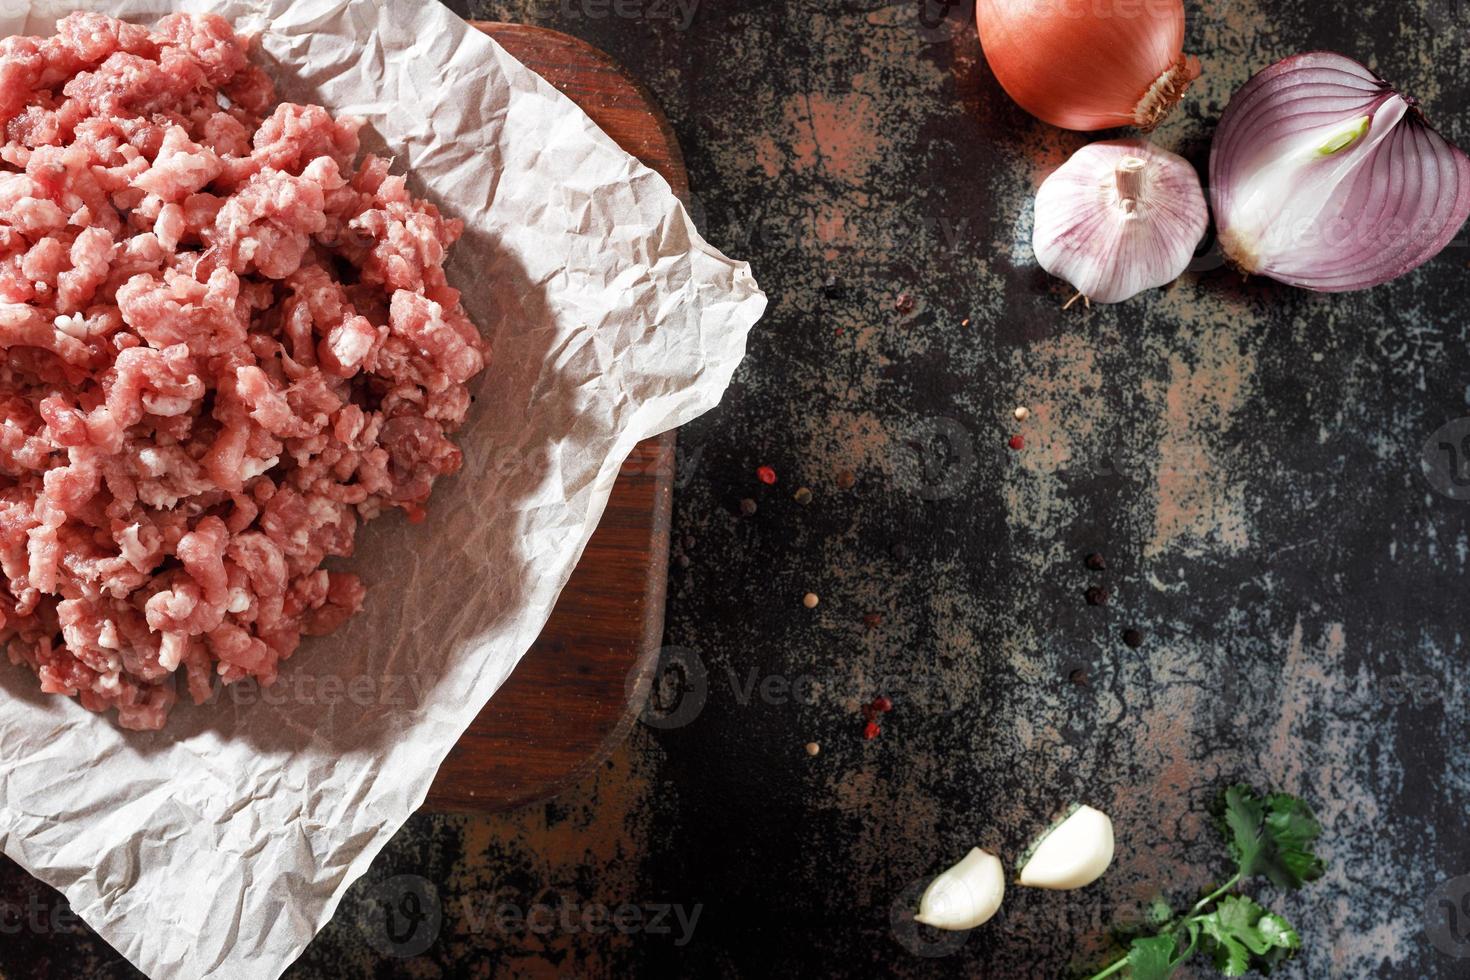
(220, 846)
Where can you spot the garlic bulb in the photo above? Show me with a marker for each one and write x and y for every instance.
(1073, 854)
(966, 895)
(1120, 217)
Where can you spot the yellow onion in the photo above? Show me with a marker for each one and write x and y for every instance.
(1089, 64)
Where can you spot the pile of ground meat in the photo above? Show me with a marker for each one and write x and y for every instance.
(224, 343)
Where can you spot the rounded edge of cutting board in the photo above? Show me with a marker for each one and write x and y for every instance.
(578, 691)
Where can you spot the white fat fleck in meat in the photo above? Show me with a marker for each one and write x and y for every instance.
(352, 346)
(158, 498)
(171, 651)
(133, 548)
(107, 636)
(251, 468)
(166, 406)
(74, 325)
(323, 511)
(153, 462)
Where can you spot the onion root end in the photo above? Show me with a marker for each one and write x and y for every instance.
(1166, 91)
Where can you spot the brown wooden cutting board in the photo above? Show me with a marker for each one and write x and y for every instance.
(579, 689)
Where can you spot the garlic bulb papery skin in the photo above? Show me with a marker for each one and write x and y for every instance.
(1119, 217)
(1073, 854)
(1323, 177)
(965, 896)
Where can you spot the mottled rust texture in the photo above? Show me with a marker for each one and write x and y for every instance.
(1247, 456)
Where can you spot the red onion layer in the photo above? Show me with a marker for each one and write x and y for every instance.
(1324, 177)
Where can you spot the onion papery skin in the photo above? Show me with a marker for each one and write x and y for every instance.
(1110, 254)
(1087, 66)
(1332, 221)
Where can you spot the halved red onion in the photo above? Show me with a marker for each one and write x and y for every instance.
(1322, 176)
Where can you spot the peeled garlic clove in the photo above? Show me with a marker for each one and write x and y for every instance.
(966, 895)
(1120, 217)
(1073, 854)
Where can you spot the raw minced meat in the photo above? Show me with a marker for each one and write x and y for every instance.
(224, 342)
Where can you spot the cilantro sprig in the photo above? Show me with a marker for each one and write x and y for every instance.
(1269, 837)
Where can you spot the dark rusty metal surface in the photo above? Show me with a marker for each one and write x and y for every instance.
(1251, 460)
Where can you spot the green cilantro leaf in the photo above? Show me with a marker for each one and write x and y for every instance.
(1272, 837)
(1293, 829)
(1258, 929)
(1231, 958)
(1242, 935)
(1242, 821)
(1154, 958)
(1278, 932)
